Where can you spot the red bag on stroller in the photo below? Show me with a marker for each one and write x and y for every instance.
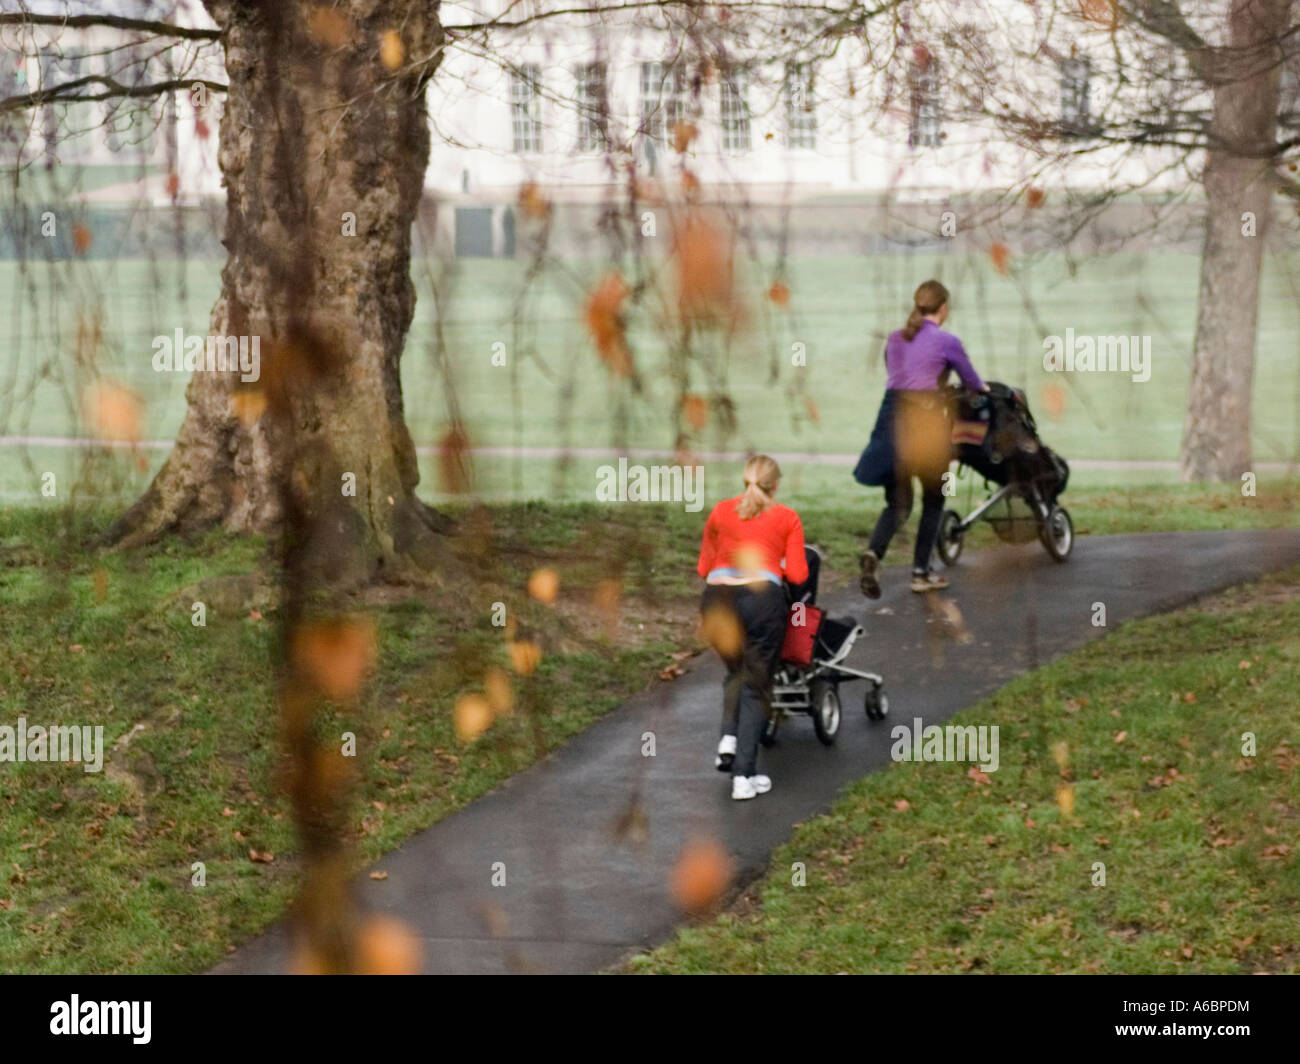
(801, 638)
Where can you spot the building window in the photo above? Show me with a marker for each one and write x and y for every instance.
(593, 119)
(926, 127)
(800, 113)
(526, 109)
(1076, 97)
(735, 111)
(60, 119)
(133, 123)
(13, 82)
(664, 100)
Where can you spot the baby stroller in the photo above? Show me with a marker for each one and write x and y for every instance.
(995, 435)
(812, 665)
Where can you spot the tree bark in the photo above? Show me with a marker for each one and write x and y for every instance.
(316, 124)
(1238, 180)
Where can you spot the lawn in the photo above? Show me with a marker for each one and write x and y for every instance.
(98, 866)
(552, 392)
(1128, 829)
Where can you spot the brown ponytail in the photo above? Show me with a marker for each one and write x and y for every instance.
(928, 299)
(762, 475)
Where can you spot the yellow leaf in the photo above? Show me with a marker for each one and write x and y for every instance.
(391, 50)
(472, 716)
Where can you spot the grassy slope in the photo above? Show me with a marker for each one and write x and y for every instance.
(924, 869)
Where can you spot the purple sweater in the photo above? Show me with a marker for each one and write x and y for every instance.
(919, 363)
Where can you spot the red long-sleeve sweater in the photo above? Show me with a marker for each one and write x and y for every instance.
(761, 542)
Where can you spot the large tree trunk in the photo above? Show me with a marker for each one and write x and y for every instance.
(1238, 179)
(315, 125)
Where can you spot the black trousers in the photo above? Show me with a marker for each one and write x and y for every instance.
(898, 507)
(759, 613)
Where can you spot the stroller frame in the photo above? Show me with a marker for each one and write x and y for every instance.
(814, 688)
(1054, 526)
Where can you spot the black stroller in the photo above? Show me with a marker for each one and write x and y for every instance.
(995, 435)
(808, 678)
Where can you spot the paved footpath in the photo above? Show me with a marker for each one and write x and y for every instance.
(576, 898)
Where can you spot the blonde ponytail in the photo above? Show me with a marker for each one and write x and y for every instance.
(762, 475)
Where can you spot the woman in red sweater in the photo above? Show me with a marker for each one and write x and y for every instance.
(746, 541)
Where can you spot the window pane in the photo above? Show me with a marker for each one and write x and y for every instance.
(735, 111)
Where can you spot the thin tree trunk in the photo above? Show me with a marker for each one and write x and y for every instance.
(315, 126)
(1238, 183)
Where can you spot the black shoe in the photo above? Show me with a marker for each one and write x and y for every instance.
(869, 582)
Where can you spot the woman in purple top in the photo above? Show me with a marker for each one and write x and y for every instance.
(911, 436)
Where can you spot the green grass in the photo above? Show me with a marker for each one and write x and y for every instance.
(553, 391)
(922, 868)
(97, 867)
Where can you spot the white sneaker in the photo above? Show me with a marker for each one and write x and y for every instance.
(726, 753)
(742, 787)
(761, 784)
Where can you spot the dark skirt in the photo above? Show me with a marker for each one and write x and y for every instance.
(880, 462)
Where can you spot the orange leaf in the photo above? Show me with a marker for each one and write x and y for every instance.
(525, 656)
(335, 655)
(453, 461)
(1001, 256)
(387, 947)
(1054, 400)
(112, 411)
(472, 716)
(391, 50)
(500, 696)
(603, 315)
(544, 585)
(248, 404)
(704, 269)
(701, 875)
(532, 203)
(695, 409)
(328, 26)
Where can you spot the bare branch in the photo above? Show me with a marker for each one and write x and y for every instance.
(117, 22)
(67, 93)
(850, 17)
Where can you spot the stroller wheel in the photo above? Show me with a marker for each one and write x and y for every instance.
(1057, 533)
(950, 538)
(768, 735)
(825, 709)
(876, 702)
